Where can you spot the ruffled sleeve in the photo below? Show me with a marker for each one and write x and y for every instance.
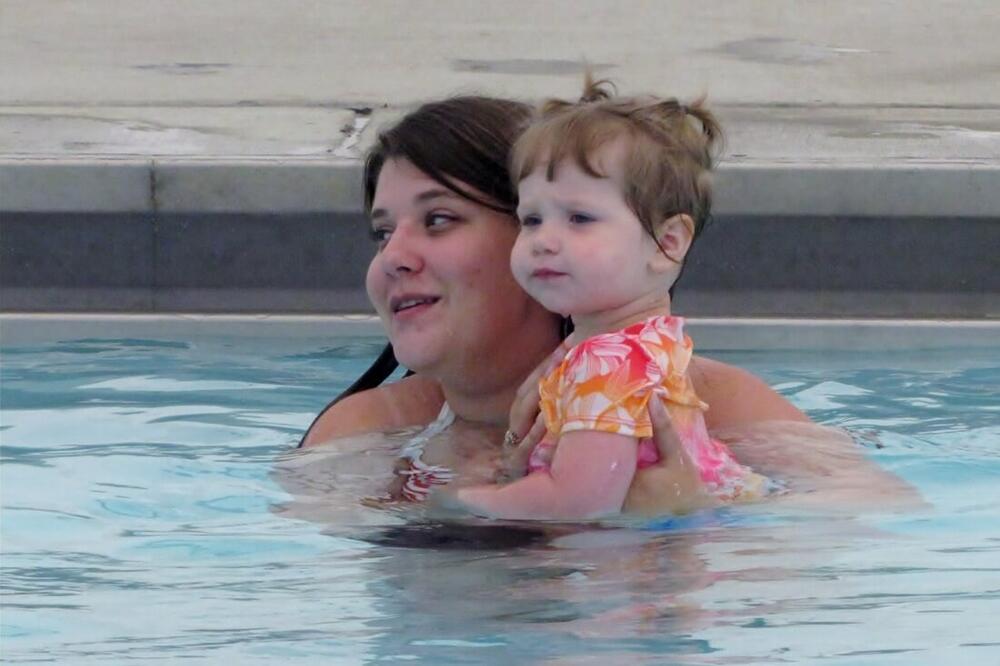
(605, 382)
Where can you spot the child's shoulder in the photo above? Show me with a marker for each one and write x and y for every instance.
(649, 342)
(662, 329)
(657, 345)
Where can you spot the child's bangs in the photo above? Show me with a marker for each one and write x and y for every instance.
(575, 135)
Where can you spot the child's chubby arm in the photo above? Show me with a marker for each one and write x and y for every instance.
(589, 477)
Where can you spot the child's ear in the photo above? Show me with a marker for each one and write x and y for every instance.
(675, 235)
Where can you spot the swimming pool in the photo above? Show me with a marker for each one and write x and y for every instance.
(143, 520)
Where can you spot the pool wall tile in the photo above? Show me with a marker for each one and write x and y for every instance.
(300, 262)
(76, 261)
(833, 253)
(743, 265)
(287, 236)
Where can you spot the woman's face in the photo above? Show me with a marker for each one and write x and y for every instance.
(441, 279)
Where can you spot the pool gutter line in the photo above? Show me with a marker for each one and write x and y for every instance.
(710, 333)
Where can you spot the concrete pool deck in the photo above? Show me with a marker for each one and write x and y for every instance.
(192, 156)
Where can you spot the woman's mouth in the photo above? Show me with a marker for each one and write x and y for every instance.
(411, 304)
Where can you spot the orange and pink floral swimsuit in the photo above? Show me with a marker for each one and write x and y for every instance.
(605, 383)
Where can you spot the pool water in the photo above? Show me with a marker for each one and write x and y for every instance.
(147, 515)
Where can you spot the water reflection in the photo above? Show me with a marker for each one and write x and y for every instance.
(515, 592)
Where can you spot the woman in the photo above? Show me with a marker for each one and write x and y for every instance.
(441, 204)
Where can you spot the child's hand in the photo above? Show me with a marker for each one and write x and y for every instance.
(674, 484)
(446, 503)
(443, 502)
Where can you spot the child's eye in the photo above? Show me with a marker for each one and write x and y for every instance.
(581, 218)
(531, 220)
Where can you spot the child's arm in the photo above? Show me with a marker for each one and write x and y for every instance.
(590, 476)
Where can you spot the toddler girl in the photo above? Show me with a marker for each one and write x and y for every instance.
(612, 192)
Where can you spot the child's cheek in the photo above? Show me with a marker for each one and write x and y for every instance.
(518, 262)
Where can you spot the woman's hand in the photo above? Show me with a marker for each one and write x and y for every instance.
(524, 409)
(526, 425)
(674, 484)
(516, 453)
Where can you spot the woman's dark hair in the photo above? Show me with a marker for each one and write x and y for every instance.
(462, 140)
(458, 140)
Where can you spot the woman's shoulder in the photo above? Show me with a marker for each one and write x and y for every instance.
(410, 401)
(736, 396)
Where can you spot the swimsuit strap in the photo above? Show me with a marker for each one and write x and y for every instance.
(414, 448)
(419, 477)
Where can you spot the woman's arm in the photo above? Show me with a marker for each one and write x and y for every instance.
(410, 401)
(823, 467)
(737, 397)
(590, 476)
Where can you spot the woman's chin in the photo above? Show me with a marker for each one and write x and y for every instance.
(416, 357)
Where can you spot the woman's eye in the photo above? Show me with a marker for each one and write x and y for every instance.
(531, 220)
(380, 236)
(438, 219)
(581, 218)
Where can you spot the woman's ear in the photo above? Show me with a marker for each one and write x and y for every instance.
(675, 235)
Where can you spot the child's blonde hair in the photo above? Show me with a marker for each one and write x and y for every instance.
(668, 160)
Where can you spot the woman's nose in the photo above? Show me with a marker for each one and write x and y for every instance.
(401, 254)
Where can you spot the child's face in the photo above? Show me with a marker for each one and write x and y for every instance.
(581, 249)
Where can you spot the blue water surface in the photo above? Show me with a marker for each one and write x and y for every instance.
(143, 521)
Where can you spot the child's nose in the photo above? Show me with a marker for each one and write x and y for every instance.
(546, 240)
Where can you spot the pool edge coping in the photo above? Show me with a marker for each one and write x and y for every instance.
(288, 185)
